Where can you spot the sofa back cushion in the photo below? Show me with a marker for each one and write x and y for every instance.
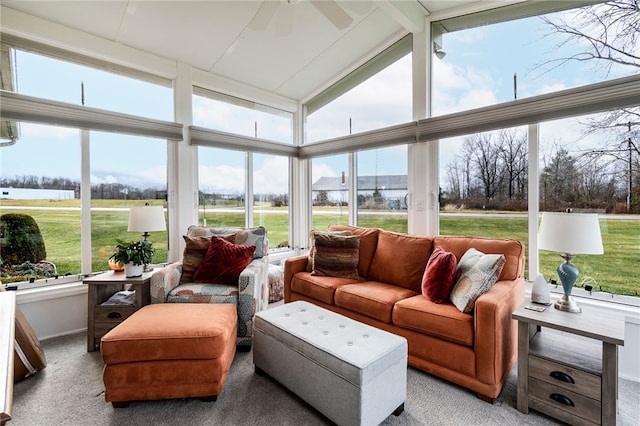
(400, 259)
(513, 251)
(368, 244)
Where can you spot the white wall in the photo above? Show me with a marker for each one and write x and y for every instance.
(56, 310)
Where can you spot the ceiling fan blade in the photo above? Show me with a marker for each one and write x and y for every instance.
(333, 12)
(284, 20)
(265, 14)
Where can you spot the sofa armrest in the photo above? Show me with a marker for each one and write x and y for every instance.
(253, 296)
(164, 280)
(292, 266)
(496, 333)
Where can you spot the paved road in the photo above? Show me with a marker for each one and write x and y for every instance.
(323, 212)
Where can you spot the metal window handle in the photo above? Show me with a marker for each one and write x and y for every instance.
(563, 377)
(561, 399)
(114, 315)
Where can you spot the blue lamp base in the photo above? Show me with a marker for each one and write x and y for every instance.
(568, 274)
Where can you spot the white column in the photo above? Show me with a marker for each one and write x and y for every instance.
(533, 201)
(423, 156)
(182, 167)
(85, 202)
(299, 188)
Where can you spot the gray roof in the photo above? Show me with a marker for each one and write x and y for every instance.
(365, 183)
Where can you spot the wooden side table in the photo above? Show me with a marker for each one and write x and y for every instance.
(102, 318)
(571, 371)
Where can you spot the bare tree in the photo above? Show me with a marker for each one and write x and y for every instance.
(607, 35)
(609, 32)
(483, 153)
(513, 151)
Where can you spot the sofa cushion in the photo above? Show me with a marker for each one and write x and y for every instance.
(336, 255)
(441, 320)
(319, 288)
(223, 262)
(373, 299)
(368, 244)
(476, 274)
(444, 321)
(439, 276)
(513, 250)
(312, 248)
(400, 259)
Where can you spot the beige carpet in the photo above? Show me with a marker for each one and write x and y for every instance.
(70, 392)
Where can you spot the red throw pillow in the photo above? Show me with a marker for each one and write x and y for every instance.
(439, 276)
(223, 262)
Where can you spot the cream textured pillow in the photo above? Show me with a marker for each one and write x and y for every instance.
(476, 274)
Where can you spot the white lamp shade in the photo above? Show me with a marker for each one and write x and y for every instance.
(146, 219)
(573, 233)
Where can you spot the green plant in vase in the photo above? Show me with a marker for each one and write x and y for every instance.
(134, 255)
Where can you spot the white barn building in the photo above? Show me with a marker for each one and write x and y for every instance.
(36, 194)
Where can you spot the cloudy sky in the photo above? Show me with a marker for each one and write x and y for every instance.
(477, 71)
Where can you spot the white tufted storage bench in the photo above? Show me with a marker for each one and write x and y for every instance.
(352, 373)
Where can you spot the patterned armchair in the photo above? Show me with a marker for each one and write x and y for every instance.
(174, 283)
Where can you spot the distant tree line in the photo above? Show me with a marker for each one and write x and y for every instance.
(100, 191)
(491, 172)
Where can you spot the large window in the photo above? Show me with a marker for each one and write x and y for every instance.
(380, 101)
(489, 64)
(588, 163)
(329, 191)
(589, 172)
(40, 179)
(41, 169)
(383, 188)
(222, 177)
(233, 115)
(82, 85)
(116, 186)
(483, 185)
(271, 197)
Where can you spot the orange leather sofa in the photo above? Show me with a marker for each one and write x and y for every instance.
(475, 350)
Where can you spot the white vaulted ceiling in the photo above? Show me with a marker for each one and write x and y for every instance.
(286, 48)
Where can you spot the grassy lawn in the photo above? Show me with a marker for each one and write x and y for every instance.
(616, 271)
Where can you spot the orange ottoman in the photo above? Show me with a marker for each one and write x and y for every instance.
(170, 351)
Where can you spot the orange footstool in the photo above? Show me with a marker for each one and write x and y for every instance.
(170, 351)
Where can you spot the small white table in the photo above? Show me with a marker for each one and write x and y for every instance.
(572, 373)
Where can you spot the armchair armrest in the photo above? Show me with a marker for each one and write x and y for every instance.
(292, 266)
(496, 333)
(253, 296)
(164, 280)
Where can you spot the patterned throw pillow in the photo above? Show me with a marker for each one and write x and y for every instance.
(336, 255)
(439, 276)
(312, 249)
(194, 251)
(476, 273)
(223, 262)
(256, 236)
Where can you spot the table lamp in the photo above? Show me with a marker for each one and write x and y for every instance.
(146, 219)
(569, 234)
